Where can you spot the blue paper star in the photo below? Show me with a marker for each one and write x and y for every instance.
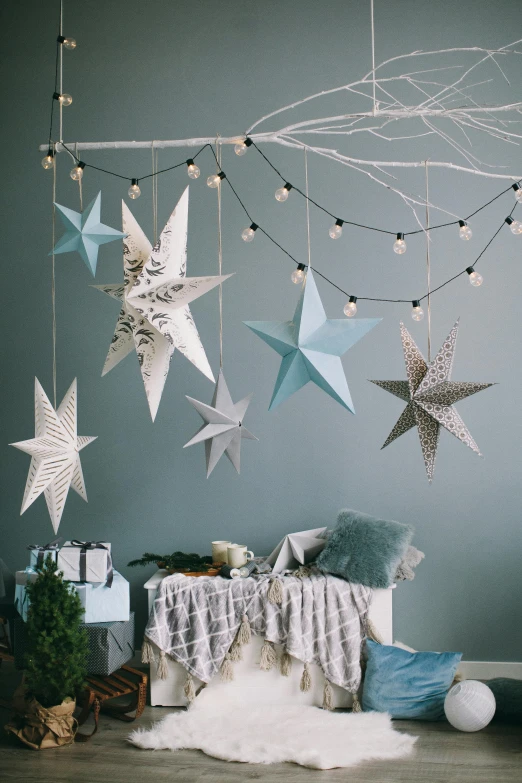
(311, 346)
(85, 233)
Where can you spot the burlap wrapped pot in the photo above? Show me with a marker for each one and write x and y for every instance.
(41, 727)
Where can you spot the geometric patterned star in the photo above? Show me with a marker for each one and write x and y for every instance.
(55, 453)
(85, 233)
(430, 395)
(311, 346)
(222, 429)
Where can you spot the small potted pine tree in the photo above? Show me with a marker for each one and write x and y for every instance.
(55, 661)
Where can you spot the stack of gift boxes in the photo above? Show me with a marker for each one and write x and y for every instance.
(104, 593)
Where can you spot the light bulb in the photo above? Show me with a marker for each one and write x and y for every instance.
(281, 194)
(240, 148)
(336, 230)
(70, 43)
(249, 233)
(516, 227)
(192, 170)
(215, 179)
(134, 191)
(48, 161)
(399, 246)
(417, 312)
(65, 99)
(475, 278)
(464, 231)
(518, 191)
(77, 171)
(350, 307)
(298, 274)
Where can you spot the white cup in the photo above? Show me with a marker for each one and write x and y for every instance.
(238, 555)
(219, 551)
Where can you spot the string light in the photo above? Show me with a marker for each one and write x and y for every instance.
(215, 179)
(242, 146)
(475, 278)
(281, 194)
(48, 161)
(337, 229)
(77, 172)
(69, 43)
(518, 191)
(65, 99)
(298, 274)
(464, 231)
(514, 225)
(399, 246)
(134, 191)
(249, 233)
(350, 307)
(417, 312)
(192, 170)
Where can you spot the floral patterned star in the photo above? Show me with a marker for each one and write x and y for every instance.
(430, 396)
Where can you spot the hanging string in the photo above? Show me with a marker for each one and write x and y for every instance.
(220, 255)
(60, 55)
(307, 209)
(154, 193)
(53, 281)
(373, 58)
(428, 267)
(80, 183)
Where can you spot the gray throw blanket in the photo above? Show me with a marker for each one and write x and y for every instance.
(322, 619)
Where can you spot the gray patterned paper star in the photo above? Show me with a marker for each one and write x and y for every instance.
(430, 395)
(223, 427)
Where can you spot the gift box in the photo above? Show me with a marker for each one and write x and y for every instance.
(86, 561)
(21, 601)
(38, 554)
(110, 645)
(104, 604)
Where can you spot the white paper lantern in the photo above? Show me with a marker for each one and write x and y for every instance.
(470, 705)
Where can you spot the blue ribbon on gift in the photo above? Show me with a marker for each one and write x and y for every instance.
(85, 546)
(52, 546)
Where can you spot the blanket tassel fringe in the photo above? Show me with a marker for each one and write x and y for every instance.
(189, 689)
(163, 671)
(372, 632)
(286, 664)
(227, 670)
(306, 680)
(268, 656)
(356, 706)
(245, 632)
(147, 652)
(236, 651)
(275, 591)
(328, 696)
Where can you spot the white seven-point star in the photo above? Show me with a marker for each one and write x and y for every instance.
(430, 395)
(85, 232)
(311, 346)
(155, 318)
(223, 427)
(55, 453)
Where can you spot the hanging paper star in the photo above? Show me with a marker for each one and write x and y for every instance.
(430, 396)
(157, 321)
(85, 233)
(55, 458)
(223, 428)
(311, 346)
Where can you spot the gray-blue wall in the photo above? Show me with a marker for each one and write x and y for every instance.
(175, 70)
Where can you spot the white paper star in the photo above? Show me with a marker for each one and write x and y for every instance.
(223, 428)
(297, 549)
(155, 318)
(55, 459)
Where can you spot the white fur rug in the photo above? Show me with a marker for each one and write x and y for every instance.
(234, 730)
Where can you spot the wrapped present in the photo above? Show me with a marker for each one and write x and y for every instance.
(21, 600)
(110, 645)
(86, 561)
(38, 554)
(102, 604)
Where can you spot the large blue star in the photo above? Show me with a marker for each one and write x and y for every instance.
(311, 346)
(85, 233)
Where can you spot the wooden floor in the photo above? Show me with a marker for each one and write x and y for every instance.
(442, 755)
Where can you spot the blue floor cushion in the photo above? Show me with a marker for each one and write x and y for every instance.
(407, 685)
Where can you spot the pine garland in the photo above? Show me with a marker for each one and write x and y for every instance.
(55, 662)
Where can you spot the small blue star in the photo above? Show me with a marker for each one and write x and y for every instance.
(311, 346)
(85, 233)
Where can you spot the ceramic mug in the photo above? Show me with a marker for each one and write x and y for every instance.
(238, 555)
(219, 551)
